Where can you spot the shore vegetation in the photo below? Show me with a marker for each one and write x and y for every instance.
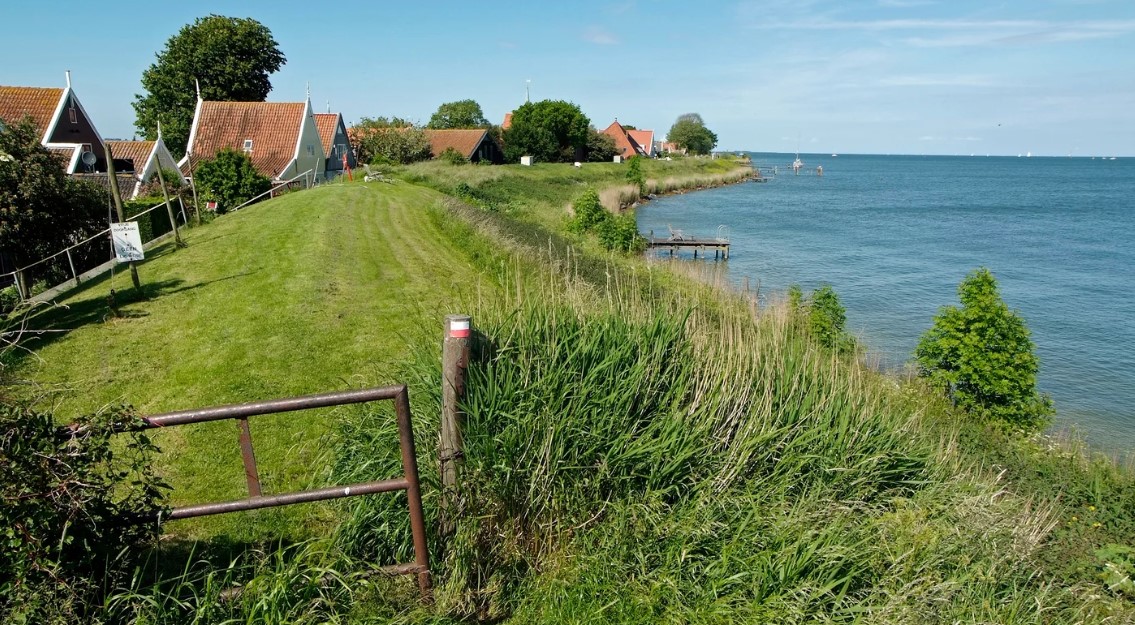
(640, 447)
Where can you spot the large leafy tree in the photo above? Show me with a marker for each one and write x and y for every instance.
(42, 210)
(981, 356)
(689, 132)
(460, 114)
(230, 57)
(550, 130)
(392, 140)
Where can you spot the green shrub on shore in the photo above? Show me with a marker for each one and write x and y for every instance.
(615, 232)
(981, 356)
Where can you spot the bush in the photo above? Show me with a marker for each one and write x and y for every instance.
(453, 157)
(634, 174)
(589, 212)
(65, 494)
(620, 232)
(823, 317)
(230, 180)
(9, 299)
(981, 356)
(151, 225)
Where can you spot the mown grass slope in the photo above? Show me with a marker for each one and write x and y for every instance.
(314, 291)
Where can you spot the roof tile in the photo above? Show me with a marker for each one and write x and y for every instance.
(327, 124)
(273, 127)
(137, 151)
(465, 141)
(37, 102)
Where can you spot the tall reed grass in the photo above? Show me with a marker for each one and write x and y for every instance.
(636, 457)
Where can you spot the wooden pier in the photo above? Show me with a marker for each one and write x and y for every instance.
(720, 247)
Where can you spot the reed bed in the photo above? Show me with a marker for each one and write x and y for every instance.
(637, 456)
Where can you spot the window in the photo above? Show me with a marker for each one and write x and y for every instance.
(247, 146)
(72, 114)
(310, 150)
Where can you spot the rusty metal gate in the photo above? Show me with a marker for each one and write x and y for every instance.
(256, 499)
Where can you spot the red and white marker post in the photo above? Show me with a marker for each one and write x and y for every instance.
(454, 361)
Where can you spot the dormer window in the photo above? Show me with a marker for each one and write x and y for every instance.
(248, 146)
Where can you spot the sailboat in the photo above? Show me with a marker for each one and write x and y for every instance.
(797, 164)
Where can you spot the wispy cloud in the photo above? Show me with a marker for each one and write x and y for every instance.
(599, 36)
(960, 80)
(968, 32)
(905, 4)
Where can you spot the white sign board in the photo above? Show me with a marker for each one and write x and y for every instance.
(127, 241)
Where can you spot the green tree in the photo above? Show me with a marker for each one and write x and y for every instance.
(459, 114)
(550, 130)
(981, 356)
(229, 179)
(230, 57)
(600, 147)
(689, 132)
(635, 175)
(393, 140)
(42, 210)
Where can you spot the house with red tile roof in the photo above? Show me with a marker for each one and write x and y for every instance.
(61, 120)
(281, 138)
(336, 142)
(625, 144)
(475, 144)
(147, 157)
(644, 139)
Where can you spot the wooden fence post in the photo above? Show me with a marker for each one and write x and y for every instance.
(118, 207)
(454, 360)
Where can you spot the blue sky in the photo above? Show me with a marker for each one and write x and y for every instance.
(1051, 77)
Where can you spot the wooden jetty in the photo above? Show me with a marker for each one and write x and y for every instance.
(720, 247)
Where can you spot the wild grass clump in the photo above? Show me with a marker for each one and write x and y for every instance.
(619, 197)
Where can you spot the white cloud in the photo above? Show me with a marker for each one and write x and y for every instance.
(598, 36)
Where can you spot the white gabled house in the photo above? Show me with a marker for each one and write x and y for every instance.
(281, 138)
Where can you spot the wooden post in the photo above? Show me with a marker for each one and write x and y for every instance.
(193, 188)
(169, 208)
(118, 207)
(454, 360)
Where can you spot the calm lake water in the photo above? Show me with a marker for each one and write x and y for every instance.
(894, 235)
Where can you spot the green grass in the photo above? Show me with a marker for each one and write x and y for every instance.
(311, 292)
(640, 447)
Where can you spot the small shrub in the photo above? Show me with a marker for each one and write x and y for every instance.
(635, 175)
(9, 299)
(230, 180)
(981, 356)
(620, 232)
(65, 493)
(822, 316)
(827, 320)
(589, 212)
(453, 157)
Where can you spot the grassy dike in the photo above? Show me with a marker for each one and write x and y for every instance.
(639, 447)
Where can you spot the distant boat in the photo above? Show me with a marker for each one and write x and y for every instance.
(1028, 154)
(797, 164)
(834, 155)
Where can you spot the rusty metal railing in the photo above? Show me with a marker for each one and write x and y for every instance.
(256, 499)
